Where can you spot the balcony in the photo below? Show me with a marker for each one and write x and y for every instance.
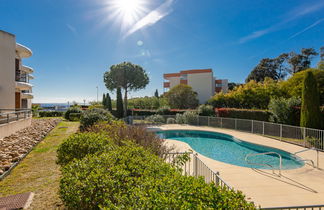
(23, 85)
(27, 95)
(31, 76)
(27, 69)
(23, 51)
(166, 84)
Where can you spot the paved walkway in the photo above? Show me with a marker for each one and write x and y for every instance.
(302, 186)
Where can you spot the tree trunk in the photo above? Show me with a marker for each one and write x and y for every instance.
(125, 103)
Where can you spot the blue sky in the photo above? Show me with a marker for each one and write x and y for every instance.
(75, 41)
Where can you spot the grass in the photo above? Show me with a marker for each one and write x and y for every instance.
(38, 172)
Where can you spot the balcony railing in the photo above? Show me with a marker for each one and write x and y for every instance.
(11, 115)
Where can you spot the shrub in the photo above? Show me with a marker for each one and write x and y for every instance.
(251, 114)
(130, 177)
(73, 109)
(157, 119)
(79, 145)
(165, 110)
(284, 110)
(182, 97)
(180, 119)
(50, 114)
(252, 95)
(171, 121)
(118, 132)
(119, 104)
(310, 111)
(75, 116)
(206, 110)
(92, 116)
(190, 117)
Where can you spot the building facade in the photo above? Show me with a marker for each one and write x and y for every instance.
(202, 81)
(15, 87)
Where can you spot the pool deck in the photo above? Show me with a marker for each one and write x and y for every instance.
(296, 187)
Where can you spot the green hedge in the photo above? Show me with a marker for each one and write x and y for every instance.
(73, 109)
(51, 114)
(79, 145)
(130, 177)
(261, 115)
(75, 116)
(93, 116)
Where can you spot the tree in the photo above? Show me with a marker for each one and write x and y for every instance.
(182, 97)
(104, 101)
(300, 62)
(281, 65)
(120, 108)
(130, 77)
(320, 64)
(293, 86)
(108, 102)
(310, 111)
(232, 85)
(266, 68)
(156, 94)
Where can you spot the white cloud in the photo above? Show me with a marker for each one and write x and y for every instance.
(307, 28)
(152, 17)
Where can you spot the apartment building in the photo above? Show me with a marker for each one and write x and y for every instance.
(202, 81)
(15, 87)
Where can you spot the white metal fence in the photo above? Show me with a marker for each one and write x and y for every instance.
(306, 137)
(7, 116)
(196, 167)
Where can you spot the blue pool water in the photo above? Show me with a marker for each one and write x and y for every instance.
(230, 150)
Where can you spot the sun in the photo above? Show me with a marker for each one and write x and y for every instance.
(127, 11)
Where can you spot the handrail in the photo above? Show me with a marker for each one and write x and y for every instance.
(265, 153)
(305, 150)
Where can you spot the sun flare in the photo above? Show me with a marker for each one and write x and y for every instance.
(128, 11)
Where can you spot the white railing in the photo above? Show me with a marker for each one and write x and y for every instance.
(7, 116)
(305, 137)
(194, 166)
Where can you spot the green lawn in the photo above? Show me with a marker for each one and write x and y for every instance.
(38, 172)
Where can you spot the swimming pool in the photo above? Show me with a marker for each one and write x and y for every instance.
(227, 149)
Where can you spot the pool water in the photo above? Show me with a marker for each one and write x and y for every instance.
(227, 149)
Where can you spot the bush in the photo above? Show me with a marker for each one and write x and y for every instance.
(75, 116)
(165, 110)
(73, 109)
(182, 97)
(206, 110)
(284, 110)
(130, 177)
(180, 119)
(92, 116)
(171, 121)
(79, 145)
(190, 117)
(50, 114)
(251, 114)
(156, 119)
(118, 132)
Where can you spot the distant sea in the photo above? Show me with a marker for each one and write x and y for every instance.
(54, 106)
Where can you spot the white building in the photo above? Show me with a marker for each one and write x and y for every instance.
(15, 89)
(202, 81)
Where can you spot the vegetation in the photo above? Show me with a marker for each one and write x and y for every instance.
(252, 114)
(206, 110)
(293, 86)
(120, 107)
(310, 110)
(156, 119)
(130, 77)
(50, 114)
(156, 94)
(284, 110)
(147, 102)
(170, 121)
(106, 102)
(75, 116)
(252, 95)
(72, 109)
(189, 117)
(38, 172)
(92, 116)
(182, 97)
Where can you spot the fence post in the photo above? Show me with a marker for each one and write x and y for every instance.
(221, 122)
(317, 162)
(280, 132)
(235, 123)
(262, 127)
(304, 135)
(252, 126)
(208, 121)
(198, 120)
(195, 165)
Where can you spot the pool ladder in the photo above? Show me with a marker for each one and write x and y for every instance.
(265, 164)
(305, 150)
